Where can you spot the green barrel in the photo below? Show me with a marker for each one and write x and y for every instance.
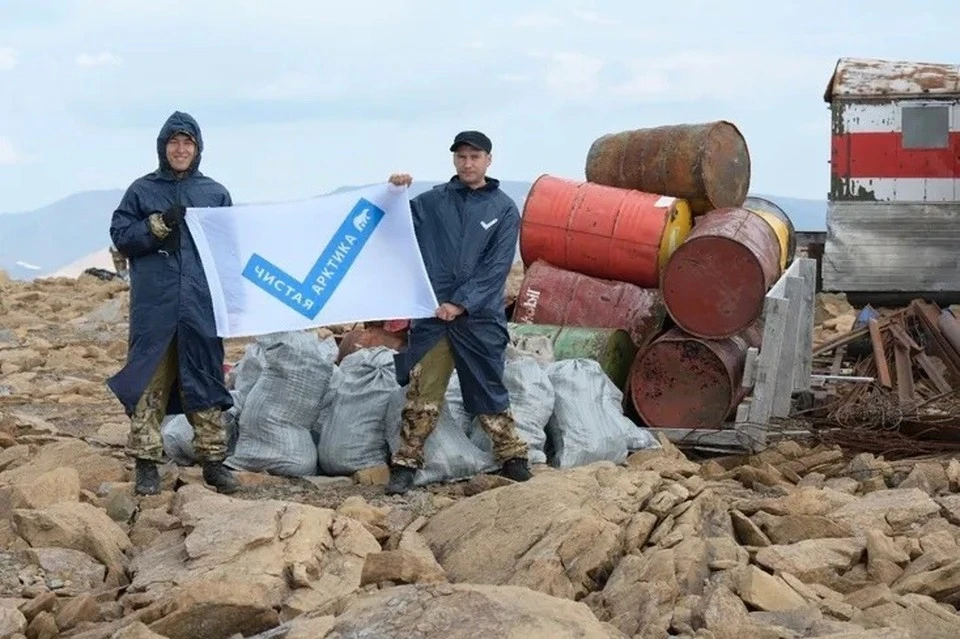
(612, 348)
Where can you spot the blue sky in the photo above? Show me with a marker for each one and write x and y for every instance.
(297, 97)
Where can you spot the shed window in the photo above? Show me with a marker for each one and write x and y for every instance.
(926, 127)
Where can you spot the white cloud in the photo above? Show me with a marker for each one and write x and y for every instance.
(98, 60)
(573, 75)
(8, 58)
(8, 154)
(698, 74)
(592, 17)
(541, 20)
(294, 86)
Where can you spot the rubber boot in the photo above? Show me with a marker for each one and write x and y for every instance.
(219, 476)
(401, 480)
(147, 478)
(516, 469)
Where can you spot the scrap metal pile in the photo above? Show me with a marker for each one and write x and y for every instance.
(661, 262)
(890, 384)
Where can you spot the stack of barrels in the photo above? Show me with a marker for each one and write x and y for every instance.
(659, 262)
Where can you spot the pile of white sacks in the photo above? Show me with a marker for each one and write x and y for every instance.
(297, 413)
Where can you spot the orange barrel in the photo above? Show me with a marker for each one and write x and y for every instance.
(682, 381)
(706, 164)
(715, 282)
(602, 231)
(550, 295)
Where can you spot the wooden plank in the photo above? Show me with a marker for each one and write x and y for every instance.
(904, 338)
(838, 360)
(725, 437)
(764, 389)
(905, 390)
(786, 367)
(933, 372)
(879, 354)
(804, 368)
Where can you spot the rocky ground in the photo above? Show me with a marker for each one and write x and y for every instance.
(795, 542)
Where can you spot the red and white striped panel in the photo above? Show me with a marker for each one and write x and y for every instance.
(868, 155)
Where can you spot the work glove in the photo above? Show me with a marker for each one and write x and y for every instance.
(173, 216)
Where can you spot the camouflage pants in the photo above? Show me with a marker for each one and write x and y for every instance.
(421, 411)
(145, 440)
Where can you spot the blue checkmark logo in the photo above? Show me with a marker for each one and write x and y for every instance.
(308, 296)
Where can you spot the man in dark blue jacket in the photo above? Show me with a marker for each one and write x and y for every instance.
(175, 359)
(467, 230)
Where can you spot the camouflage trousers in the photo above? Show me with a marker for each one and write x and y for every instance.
(145, 440)
(421, 412)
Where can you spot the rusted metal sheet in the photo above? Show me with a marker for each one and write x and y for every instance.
(612, 348)
(901, 150)
(715, 283)
(551, 295)
(876, 78)
(601, 231)
(891, 247)
(681, 381)
(707, 164)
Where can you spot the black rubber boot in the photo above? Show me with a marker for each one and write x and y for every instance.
(516, 469)
(220, 477)
(148, 478)
(401, 480)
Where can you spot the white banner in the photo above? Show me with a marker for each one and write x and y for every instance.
(335, 259)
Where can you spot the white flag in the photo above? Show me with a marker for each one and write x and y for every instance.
(335, 259)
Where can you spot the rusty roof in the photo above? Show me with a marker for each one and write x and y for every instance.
(863, 77)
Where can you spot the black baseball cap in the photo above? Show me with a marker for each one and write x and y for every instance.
(476, 139)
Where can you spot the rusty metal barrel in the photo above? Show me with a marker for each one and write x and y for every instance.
(707, 164)
(602, 231)
(551, 295)
(369, 337)
(612, 348)
(715, 282)
(682, 381)
(781, 224)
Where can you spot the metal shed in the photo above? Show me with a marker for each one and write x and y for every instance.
(893, 216)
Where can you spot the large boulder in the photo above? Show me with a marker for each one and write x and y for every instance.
(301, 556)
(467, 611)
(559, 533)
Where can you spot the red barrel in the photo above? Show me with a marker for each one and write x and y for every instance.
(682, 381)
(359, 339)
(707, 164)
(715, 282)
(601, 231)
(550, 295)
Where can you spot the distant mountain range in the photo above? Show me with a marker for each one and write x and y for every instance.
(40, 242)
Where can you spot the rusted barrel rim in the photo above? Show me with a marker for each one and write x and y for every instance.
(777, 211)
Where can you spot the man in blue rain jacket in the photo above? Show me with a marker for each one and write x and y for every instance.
(467, 230)
(175, 359)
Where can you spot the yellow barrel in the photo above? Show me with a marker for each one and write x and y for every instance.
(777, 219)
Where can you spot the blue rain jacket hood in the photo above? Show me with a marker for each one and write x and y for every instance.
(169, 297)
(468, 239)
(178, 122)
